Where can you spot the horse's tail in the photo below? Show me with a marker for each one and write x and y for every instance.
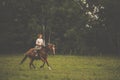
(25, 57)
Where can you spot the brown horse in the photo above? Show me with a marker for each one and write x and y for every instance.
(42, 55)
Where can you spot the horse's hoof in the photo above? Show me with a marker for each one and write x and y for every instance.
(49, 68)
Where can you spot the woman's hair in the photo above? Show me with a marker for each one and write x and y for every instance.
(39, 34)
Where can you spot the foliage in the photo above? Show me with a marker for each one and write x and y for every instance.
(75, 26)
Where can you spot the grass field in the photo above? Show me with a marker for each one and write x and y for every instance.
(65, 67)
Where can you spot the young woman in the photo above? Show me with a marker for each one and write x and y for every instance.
(39, 44)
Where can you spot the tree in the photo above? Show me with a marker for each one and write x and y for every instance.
(75, 26)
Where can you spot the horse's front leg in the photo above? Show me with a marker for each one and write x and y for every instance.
(48, 64)
(42, 61)
(42, 65)
(31, 64)
(45, 61)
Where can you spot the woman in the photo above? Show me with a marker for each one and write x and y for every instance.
(39, 44)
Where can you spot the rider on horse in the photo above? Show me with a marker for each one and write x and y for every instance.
(39, 44)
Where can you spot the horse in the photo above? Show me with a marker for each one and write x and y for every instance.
(42, 55)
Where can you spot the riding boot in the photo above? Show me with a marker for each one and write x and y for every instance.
(35, 51)
(36, 55)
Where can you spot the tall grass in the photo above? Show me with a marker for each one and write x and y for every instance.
(63, 68)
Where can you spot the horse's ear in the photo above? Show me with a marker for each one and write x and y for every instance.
(54, 45)
(48, 43)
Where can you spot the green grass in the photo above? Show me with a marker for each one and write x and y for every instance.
(64, 68)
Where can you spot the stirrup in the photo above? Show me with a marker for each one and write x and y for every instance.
(36, 54)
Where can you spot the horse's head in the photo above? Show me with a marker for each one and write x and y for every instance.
(51, 47)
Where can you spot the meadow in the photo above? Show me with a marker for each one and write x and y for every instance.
(64, 67)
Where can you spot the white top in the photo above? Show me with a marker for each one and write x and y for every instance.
(39, 42)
